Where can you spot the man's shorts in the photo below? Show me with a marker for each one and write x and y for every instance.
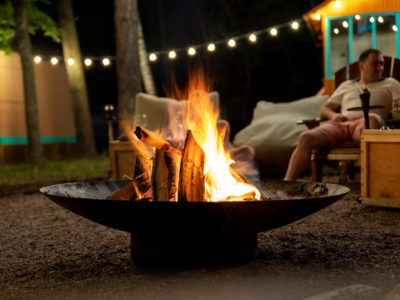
(338, 132)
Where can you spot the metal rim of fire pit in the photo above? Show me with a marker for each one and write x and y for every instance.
(232, 219)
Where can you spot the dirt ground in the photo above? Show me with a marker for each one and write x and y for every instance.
(48, 252)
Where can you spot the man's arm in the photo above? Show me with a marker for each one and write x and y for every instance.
(331, 111)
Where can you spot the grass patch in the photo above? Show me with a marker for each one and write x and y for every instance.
(62, 170)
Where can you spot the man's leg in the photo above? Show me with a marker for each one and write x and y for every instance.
(300, 159)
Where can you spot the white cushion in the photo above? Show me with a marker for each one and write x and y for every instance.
(273, 132)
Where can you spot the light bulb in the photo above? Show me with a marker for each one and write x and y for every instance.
(106, 61)
(380, 19)
(70, 61)
(372, 19)
(172, 54)
(211, 47)
(252, 38)
(295, 25)
(231, 43)
(273, 32)
(317, 17)
(54, 61)
(88, 62)
(152, 57)
(357, 17)
(37, 59)
(345, 24)
(394, 27)
(336, 31)
(191, 51)
(337, 4)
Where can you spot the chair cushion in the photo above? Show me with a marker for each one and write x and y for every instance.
(273, 131)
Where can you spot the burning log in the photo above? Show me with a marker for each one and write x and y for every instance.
(142, 177)
(165, 176)
(155, 140)
(191, 177)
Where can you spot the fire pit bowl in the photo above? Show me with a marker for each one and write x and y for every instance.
(163, 232)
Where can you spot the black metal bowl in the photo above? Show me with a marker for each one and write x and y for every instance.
(227, 219)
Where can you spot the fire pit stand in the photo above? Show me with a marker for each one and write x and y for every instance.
(190, 233)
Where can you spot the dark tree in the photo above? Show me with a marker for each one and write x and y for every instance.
(76, 78)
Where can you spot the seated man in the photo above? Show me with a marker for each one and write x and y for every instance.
(343, 124)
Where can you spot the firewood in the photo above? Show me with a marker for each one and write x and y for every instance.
(165, 176)
(142, 176)
(191, 178)
(155, 140)
(124, 193)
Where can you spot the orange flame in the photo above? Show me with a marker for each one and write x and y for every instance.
(202, 119)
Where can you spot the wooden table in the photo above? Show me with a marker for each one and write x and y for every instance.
(380, 167)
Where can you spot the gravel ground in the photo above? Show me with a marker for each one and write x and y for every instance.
(48, 252)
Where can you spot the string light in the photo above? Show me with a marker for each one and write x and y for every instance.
(317, 17)
(345, 24)
(172, 54)
(394, 27)
(37, 59)
(295, 25)
(372, 19)
(252, 38)
(380, 19)
(231, 43)
(336, 31)
(106, 61)
(88, 62)
(337, 4)
(54, 61)
(357, 17)
(211, 47)
(152, 57)
(191, 51)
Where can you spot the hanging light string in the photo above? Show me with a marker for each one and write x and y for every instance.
(231, 42)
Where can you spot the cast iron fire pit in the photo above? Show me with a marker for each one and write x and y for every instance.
(170, 233)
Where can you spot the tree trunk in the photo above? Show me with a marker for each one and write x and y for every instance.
(145, 70)
(31, 111)
(76, 78)
(127, 55)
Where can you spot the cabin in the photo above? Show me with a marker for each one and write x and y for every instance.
(344, 28)
(55, 111)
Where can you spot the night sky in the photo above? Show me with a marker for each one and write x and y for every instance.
(280, 69)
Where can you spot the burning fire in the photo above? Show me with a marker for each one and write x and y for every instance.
(222, 183)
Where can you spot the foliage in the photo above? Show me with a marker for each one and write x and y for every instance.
(38, 21)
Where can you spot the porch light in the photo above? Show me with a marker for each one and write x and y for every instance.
(88, 62)
(172, 54)
(37, 59)
(252, 38)
(54, 61)
(191, 51)
(152, 57)
(295, 25)
(273, 32)
(231, 43)
(211, 47)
